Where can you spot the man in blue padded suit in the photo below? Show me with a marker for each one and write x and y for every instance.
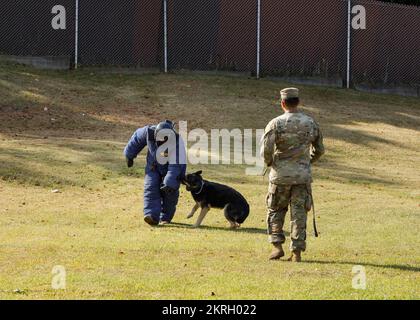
(162, 180)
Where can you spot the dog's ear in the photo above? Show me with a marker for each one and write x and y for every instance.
(199, 172)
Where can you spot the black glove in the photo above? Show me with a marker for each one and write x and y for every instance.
(166, 189)
(130, 162)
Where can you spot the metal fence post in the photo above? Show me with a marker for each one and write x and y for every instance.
(165, 34)
(258, 38)
(76, 35)
(348, 43)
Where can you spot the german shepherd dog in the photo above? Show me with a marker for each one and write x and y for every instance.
(213, 195)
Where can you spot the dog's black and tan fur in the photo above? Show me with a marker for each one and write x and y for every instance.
(214, 195)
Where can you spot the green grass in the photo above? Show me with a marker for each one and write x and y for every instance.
(367, 191)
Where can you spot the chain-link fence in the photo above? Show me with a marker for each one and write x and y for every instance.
(304, 39)
(35, 28)
(212, 35)
(124, 33)
(363, 43)
(387, 52)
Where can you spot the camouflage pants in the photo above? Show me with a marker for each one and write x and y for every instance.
(278, 199)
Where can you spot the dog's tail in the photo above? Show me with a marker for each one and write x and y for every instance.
(241, 217)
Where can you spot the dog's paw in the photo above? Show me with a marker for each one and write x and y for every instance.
(196, 226)
(190, 216)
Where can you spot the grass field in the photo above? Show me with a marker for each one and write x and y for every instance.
(66, 131)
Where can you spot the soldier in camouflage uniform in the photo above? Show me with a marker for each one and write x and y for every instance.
(291, 143)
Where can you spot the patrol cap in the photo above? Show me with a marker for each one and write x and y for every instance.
(289, 93)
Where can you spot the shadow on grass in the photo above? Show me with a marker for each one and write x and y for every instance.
(109, 156)
(240, 230)
(385, 266)
(87, 104)
(17, 172)
(79, 100)
(23, 165)
(329, 169)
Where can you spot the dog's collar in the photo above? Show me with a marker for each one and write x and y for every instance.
(201, 189)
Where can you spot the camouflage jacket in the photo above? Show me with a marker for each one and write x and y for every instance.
(290, 144)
